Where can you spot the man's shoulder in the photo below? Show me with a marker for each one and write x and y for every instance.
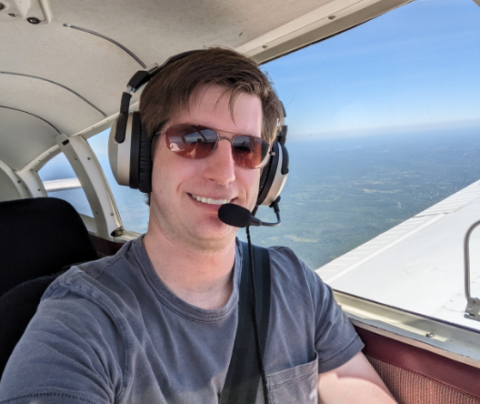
(284, 262)
(100, 277)
(293, 279)
(285, 254)
(280, 255)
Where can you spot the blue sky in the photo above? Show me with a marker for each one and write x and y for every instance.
(416, 67)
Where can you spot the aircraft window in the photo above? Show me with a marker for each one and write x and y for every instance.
(384, 122)
(131, 203)
(60, 181)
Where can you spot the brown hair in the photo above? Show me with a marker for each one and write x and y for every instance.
(172, 87)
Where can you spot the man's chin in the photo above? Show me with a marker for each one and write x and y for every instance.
(216, 238)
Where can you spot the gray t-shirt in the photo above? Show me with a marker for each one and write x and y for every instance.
(110, 331)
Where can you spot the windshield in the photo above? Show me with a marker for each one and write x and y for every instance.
(384, 122)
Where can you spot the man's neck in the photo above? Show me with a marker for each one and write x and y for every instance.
(201, 278)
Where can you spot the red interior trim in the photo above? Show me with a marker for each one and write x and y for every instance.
(105, 247)
(443, 370)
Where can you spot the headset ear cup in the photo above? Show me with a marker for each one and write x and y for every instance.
(132, 134)
(268, 175)
(145, 163)
(263, 180)
(274, 176)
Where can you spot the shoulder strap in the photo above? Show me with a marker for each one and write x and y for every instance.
(243, 375)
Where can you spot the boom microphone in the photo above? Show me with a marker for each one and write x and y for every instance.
(234, 215)
(237, 216)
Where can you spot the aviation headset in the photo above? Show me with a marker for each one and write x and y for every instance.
(129, 146)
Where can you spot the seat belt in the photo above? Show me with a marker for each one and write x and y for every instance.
(243, 375)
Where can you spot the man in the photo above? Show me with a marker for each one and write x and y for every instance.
(156, 322)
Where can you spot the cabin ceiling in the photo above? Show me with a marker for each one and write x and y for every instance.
(66, 73)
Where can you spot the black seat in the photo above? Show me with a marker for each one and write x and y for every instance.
(17, 307)
(39, 239)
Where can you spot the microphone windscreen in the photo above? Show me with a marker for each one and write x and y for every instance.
(234, 215)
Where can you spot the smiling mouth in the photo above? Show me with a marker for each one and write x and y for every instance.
(210, 201)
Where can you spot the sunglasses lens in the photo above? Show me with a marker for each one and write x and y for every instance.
(194, 142)
(197, 142)
(250, 151)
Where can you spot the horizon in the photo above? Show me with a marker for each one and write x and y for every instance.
(425, 128)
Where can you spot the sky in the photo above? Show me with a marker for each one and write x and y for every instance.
(417, 67)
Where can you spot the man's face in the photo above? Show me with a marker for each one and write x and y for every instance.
(178, 182)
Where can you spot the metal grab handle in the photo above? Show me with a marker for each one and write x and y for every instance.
(472, 311)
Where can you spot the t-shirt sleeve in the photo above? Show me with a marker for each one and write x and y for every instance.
(65, 355)
(336, 340)
(317, 317)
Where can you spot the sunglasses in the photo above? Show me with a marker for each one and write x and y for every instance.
(198, 142)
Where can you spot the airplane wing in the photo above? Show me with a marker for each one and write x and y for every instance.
(419, 264)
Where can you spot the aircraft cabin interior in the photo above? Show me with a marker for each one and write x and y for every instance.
(382, 201)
